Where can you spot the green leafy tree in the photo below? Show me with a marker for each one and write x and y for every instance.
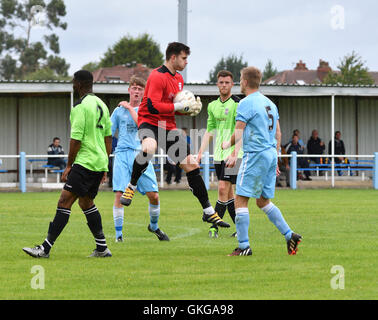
(352, 71)
(232, 63)
(269, 70)
(19, 56)
(128, 50)
(91, 66)
(45, 73)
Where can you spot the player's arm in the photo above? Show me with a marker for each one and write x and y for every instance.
(74, 149)
(77, 119)
(278, 138)
(114, 120)
(108, 145)
(108, 139)
(236, 136)
(207, 137)
(131, 110)
(278, 135)
(155, 96)
(237, 140)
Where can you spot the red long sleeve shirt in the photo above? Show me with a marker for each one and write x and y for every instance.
(157, 104)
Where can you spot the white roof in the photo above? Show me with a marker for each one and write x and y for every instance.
(198, 89)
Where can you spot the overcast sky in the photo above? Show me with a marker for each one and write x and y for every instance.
(283, 31)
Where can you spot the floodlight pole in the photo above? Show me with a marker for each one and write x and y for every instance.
(183, 27)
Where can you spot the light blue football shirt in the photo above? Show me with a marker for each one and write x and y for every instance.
(260, 115)
(127, 129)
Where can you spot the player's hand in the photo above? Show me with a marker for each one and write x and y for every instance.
(231, 161)
(199, 157)
(65, 173)
(191, 107)
(278, 172)
(196, 107)
(184, 105)
(125, 104)
(104, 178)
(226, 145)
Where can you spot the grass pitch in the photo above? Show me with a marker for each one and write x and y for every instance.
(339, 228)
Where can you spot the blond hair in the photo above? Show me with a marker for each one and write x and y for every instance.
(253, 77)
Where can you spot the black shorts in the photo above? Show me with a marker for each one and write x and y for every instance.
(83, 182)
(173, 142)
(227, 174)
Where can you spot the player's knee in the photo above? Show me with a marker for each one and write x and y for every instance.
(262, 202)
(193, 173)
(117, 199)
(149, 145)
(223, 190)
(190, 166)
(85, 203)
(153, 197)
(66, 199)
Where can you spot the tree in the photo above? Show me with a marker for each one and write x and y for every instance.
(352, 72)
(128, 50)
(45, 73)
(231, 63)
(91, 66)
(269, 71)
(19, 56)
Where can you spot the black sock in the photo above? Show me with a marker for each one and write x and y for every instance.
(95, 225)
(56, 227)
(197, 186)
(220, 208)
(140, 165)
(231, 209)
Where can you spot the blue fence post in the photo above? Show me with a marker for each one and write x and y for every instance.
(206, 169)
(293, 170)
(375, 172)
(22, 173)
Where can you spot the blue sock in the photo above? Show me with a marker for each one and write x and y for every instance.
(154, 211)
(242, 225)
(118, 214)
(275, 216)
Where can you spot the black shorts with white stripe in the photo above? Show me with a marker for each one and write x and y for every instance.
(83, 182)
(227, 174)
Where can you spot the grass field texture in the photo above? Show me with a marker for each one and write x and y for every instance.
(339, 228)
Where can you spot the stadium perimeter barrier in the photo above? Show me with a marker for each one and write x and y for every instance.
(206, 163)
(332, 167)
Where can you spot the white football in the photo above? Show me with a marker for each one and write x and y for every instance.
(183, 95)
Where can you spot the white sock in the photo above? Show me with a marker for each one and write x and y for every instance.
(209, 210)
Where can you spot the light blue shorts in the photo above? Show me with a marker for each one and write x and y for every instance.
(122, 169)
(257, 174)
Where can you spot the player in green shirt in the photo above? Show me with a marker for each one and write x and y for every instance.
(90, 146)
(221, 124)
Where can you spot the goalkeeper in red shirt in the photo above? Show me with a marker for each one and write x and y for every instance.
(157, 127)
